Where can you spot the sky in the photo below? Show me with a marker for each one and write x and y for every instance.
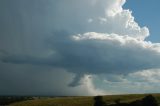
(79, 48)
(146, 13)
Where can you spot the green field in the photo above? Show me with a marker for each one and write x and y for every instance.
(82, 101)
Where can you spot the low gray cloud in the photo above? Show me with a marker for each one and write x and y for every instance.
(18, 79)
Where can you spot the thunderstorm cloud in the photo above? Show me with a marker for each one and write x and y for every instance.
(76, 43)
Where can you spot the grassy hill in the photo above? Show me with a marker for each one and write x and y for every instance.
(81, 101)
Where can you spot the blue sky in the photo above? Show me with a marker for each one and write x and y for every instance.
(146, 13)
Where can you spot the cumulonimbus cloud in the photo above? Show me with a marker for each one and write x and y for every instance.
(94, 37)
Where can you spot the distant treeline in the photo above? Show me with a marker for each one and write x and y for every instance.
(6, 100)
(146, 101)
